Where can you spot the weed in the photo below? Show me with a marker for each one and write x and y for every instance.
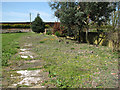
(72, 48)
(41, 41)
(43, 84)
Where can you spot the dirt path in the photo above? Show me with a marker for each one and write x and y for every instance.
(27, 72)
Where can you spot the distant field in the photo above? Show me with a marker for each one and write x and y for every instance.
(70, 65)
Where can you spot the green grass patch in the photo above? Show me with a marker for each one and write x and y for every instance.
(75, 65)
(18, 86)
(72, 48)
(42, 41)
(10, 45)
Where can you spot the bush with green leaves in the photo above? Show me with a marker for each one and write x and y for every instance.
(47, 26)
(57, 34)
(38, 25)
(49, 32)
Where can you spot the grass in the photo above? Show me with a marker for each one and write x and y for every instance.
(18, 86)
(33, 68)
(76, 65)
(41, 41)
(73, 65)
(10, 46)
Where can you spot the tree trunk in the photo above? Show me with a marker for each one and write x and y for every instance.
(87, 29)
(69, 31)
(79, 37)
(87, 35)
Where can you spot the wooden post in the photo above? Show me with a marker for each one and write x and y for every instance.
(30, 23)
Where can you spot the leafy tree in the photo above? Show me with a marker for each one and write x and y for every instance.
(80, 18)
(66, 13)
(100, 13)
(113, 34)
(77, 15)
(114, 17)
(38, 25)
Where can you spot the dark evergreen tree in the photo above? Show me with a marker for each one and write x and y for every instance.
(38, 25)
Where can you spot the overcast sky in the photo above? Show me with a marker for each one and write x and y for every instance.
(19, 11)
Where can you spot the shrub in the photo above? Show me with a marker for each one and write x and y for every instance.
(47, 26)
(58, 28)
(57, 34)
(38, 25)
(49, 32)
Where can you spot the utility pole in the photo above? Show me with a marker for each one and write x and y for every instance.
(30, 23)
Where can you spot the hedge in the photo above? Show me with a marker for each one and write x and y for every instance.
(7, 26)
